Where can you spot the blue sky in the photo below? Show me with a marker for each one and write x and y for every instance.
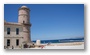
(51, 21)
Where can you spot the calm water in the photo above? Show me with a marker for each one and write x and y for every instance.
(62, 40)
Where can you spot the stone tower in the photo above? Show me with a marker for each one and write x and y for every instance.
(24, 18)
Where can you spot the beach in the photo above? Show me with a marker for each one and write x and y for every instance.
(72, 45)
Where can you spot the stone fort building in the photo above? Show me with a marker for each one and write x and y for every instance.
(15, 34)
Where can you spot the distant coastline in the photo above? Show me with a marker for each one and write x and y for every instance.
(61, 40)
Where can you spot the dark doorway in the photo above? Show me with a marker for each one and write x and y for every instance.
(17, 42)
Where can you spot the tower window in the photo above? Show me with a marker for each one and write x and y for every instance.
(8, 42)
(23, 21)
(17, 42)
(17, 31)
(8, 31)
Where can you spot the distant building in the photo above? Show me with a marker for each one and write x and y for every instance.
(15, 34)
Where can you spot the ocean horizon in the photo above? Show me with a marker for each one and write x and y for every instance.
(61, 40)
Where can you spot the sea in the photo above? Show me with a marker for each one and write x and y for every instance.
(61, 40)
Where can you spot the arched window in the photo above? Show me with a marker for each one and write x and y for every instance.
(17, 31)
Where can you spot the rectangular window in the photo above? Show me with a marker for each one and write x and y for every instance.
(8, 42)
(23, 21)
(8, 31)
(17, 31)
(17, 42)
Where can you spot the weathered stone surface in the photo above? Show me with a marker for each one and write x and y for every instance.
(24, 29)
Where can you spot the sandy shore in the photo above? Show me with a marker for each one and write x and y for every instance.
(72, 45)
(66, 44)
